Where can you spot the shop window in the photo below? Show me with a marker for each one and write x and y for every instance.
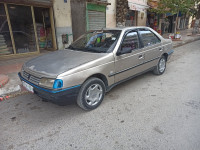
(43, 27)
(5, 39)
(22, 28)
(131, 18)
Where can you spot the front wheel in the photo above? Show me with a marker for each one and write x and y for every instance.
(161, 66)
(91, 94)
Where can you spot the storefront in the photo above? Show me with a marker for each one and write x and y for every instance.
(153, 18)
(183, 21)
(26, 27)
(171, 19)
(88, 15)
(137, 13)
(131, 18)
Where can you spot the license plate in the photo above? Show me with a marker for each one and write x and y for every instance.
(28, 86)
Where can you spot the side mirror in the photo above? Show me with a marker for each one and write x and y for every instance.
(124, 50)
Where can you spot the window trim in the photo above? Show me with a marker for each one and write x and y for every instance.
(139, 41)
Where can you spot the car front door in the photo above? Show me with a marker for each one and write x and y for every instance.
(152, 48)
(129, 57)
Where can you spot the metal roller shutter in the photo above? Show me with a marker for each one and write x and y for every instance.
(42, 1)
(96, 20)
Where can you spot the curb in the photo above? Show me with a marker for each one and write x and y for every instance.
(186, 42)
(6, 97)
(3, 80)
(22, 91)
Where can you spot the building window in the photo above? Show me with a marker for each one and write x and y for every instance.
(22, 28)
(25, 29)
(5, 39)
(43, 27)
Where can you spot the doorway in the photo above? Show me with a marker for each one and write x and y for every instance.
(43, 28)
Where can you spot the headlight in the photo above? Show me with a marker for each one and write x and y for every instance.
(51, 83)
(58, 83)
(47, 82)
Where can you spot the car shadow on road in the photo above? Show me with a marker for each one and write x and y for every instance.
(31, 110)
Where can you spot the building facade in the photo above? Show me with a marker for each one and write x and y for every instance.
(30, 27)
(139, 9)
(131, 12)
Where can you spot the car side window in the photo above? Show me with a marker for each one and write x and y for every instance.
(131, 41)
(148, 38)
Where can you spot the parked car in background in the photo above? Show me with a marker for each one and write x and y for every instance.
(95, 63)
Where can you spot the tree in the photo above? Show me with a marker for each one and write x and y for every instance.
(174, 7)
(198, 11)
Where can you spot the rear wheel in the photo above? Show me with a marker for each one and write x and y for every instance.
(91, 94)
(161, 66)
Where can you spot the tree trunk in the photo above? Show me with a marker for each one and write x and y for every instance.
(176, 25)
(121, 11)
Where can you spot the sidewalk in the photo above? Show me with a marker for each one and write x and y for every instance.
(186, 35)
(11, 67)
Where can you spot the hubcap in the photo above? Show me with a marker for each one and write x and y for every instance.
(162, 65)
(93, 94)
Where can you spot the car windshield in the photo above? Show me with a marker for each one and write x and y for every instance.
(97, 41)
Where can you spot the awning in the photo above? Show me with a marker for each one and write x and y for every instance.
(45, 3)
(153, 3)
(136, 6)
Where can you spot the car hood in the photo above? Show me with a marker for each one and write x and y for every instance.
(55, 63)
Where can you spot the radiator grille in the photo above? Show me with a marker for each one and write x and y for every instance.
(31, 78)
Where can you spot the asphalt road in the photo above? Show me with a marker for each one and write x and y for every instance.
(148, 112)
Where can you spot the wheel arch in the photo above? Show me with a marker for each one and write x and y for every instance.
(100, 76)
(165, 55)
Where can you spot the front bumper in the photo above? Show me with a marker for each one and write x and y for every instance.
(60, 97)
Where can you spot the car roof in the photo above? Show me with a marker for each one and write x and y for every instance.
(125, 28)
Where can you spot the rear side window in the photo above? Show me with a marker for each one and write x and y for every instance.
(149, 38)
(131, 41)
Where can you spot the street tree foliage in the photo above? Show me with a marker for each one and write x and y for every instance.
(174, 6)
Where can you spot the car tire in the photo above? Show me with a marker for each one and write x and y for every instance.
(91, 94)
(161, 66)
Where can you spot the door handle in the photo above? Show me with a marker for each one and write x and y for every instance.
(140, 56)
(161, 49)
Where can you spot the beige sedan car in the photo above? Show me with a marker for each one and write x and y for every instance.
(94, 63)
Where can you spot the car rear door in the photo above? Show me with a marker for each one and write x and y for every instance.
(129, 64)
(152, 48)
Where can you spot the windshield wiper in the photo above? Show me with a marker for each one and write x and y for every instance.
(89, 50)
(94, 50)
